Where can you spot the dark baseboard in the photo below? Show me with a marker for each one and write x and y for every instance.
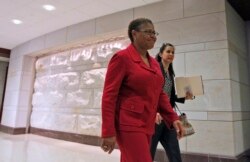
(193, 157)
(79, 138)
(11, 130)
(5, 52)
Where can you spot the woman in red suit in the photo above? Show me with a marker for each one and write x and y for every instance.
(132, 95)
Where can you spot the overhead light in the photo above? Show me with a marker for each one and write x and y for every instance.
(49, 7)
(16, 21)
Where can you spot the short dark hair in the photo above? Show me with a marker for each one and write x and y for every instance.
(135, 24)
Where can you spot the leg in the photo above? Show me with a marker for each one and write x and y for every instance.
(156, 138)
(134, 146)
(171, 145)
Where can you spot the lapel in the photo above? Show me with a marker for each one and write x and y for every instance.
(135, 55)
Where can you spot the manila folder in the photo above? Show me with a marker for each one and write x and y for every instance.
(192, 84)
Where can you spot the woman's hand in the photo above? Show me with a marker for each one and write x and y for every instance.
(189, 96)
(179, 128)
(108, 144)
(158, 118)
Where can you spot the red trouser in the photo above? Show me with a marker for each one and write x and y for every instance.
(134, 146)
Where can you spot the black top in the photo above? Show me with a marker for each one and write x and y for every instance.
(173, 97)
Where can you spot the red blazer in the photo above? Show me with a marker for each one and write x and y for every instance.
(132, 94)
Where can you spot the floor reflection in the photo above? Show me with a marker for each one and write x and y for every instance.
(33, 148)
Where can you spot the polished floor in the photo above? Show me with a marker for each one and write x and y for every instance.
(33, 148)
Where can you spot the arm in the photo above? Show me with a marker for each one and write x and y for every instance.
(180, 100)
(174, 96)
(113, 82)
(170, 117)
(166, 110)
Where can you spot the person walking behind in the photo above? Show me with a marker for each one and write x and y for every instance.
(163, 134)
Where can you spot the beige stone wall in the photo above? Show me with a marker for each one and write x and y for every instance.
(68, 88)
(239, 75)
(209, 41)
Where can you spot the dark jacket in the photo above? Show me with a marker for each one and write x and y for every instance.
(173, 97)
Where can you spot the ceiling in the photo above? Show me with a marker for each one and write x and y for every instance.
(37, 21)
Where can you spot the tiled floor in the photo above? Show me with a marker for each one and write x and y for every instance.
(33, 148)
